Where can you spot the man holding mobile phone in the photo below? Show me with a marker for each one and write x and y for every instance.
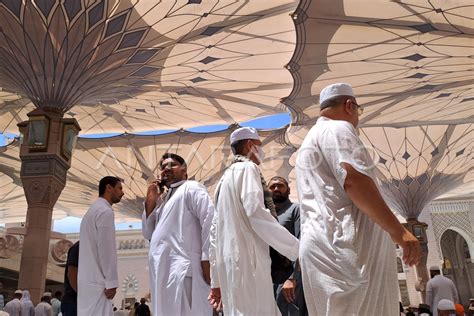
(177, 219)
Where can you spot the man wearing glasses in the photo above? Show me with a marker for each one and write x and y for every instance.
(347, 256)
(177, 219)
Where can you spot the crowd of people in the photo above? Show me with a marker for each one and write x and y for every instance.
(239, 253)
(250, 250)
(21, 305)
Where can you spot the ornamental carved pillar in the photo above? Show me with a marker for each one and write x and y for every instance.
(45, 153)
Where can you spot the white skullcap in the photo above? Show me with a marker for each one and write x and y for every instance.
(435, 268)
(446, 305)
(244, 133)
(19, 292)
(334, 90)
(47, 294)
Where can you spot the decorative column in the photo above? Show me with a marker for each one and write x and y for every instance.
(45, 152)
(418, 229)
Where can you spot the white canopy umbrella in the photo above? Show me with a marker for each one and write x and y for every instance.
(410, 64)
(129, 66)
(135, 159)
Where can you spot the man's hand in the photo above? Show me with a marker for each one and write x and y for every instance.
(215, 300)
(152, 195)
(206, 271)
(288, 290)
(410, 245)
(110, 293)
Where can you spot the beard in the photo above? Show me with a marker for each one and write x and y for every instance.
(116, 199)
(280, 198)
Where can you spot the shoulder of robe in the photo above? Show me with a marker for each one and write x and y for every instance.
(194, 185)
(249, 165)
(296, 207)
(339, 125)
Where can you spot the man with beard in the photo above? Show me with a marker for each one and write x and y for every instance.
(177, 219)
(289, 294)
(97, 277)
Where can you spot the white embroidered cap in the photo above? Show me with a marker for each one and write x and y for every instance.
(335, 90)
(244, 133)
(446, 305)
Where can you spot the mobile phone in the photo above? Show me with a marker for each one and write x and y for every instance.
(161, 183)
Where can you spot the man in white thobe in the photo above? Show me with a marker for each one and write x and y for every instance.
(97, 272)
(243, 228)
(44, 307)
(438, 288)
(15, 306)
(56, 302)
(346, 255)
(28, 307)
(177, 223)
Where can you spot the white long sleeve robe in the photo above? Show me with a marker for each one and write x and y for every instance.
(347, 261)
(241, 232)
(438, 288)
(178, 230)
(43, 309)
(14, 307)
(97, 269)
(28, 308)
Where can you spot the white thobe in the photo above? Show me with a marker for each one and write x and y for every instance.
(347, 261)
(438, 288)
(56, 306)
(178, 230)
(14, 307)
(43, 309)
(241, 232)
(97, 260)
(28, 308)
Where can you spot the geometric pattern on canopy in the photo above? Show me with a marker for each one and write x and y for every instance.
(130, 66)
(419, 164)
(135, 159)
(415, 165)
(410, 62)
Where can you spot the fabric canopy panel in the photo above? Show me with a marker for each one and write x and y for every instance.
(416, 165)
(410, 62)
(134, 66)
(135, 160)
